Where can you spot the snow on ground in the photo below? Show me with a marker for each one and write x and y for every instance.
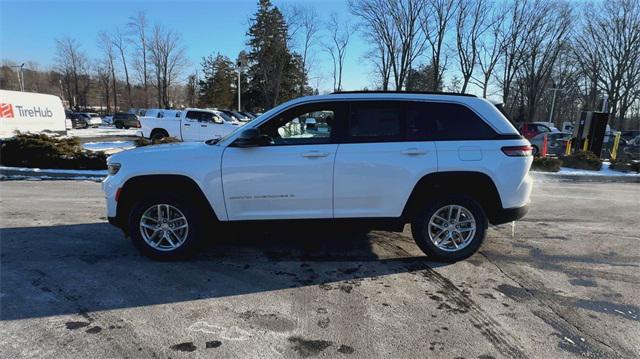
(109, 146)
(604, 171)
(103, 131)
(45, 171)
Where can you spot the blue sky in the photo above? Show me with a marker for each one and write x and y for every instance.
(28, 30)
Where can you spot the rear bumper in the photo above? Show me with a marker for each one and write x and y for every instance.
(507, 215)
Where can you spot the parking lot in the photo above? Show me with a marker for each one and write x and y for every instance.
(565, 284)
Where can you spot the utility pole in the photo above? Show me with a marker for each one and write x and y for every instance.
(553, 102)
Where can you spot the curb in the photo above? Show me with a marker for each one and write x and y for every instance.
(581, 178)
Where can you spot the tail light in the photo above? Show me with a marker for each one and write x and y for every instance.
(518, 151)
(138, 124)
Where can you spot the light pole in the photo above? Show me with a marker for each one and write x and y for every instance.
(20, 73)
(553, 102)
(240, 64)
(239, 86)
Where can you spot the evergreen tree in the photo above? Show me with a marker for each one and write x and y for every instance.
(274, 71)
(217, 88)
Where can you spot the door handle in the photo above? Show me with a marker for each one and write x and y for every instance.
(413, 152)
(203, 125)
(187, 125)
(313, 154)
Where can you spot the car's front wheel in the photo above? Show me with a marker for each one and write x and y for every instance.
(165, 228)
(450, 229)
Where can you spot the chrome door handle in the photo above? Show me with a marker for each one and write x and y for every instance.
(312, 154)
(203, 125)
(186, 124)
(413, 152)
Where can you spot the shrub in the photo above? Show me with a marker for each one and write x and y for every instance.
(546, 164)
(584, 160)
(42, 151)
(625, 166)
(140, 142)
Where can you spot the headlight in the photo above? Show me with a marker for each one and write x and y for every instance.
(113, 168)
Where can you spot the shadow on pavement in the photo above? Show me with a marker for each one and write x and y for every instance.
(69, 269)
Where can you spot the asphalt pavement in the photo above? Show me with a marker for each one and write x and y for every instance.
(566, 284)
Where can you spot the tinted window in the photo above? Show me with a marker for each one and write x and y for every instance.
(377, 121)
(445, 121)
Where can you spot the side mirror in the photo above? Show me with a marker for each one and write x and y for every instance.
(217, 119)
(248, 138)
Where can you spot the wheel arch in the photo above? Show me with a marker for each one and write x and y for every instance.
(477, 185)
(140, 186)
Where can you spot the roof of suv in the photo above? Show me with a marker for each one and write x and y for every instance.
(481, 106)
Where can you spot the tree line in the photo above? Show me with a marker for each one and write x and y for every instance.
(527, 53)
(523, 51)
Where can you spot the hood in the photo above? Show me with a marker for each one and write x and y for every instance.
(169, 150)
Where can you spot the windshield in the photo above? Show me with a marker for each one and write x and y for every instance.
(224, 116)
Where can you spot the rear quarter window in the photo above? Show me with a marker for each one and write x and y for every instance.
(435, 121)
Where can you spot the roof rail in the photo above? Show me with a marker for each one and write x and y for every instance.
(407, 92)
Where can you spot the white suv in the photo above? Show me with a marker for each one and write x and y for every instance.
(447, 164)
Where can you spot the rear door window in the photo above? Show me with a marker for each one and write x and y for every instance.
(375, 121)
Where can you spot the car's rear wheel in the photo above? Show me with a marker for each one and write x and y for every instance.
(165, 228)
(450, 229)
(119, 124)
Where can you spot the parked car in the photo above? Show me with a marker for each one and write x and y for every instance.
(556, 142)
(192, 125)
(376, 166)
(77, 121)
(107, 120)
(532, 129)
(236, 115)
(125, 120)
(92, 119)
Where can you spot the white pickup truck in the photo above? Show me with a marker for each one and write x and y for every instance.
(190, 124)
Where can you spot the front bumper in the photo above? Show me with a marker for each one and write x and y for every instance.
(507, 215)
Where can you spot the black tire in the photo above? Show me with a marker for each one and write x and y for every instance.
(422, 239)
(193, 239)
(119, 124)
(158, 134)
(535, 150)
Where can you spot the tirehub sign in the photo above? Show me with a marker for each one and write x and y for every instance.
(6, 110)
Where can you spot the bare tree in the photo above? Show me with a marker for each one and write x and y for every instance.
(395, 28)
(106, 45)
(435, 23)
(303, 22)
(615, 27)
(471, 24)
(72, 62)
(340, 33)
(167, 58)
(548, 32)
(516, 37)
(490, 50)
(118, 38)
(138, 26)
(103, 74)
